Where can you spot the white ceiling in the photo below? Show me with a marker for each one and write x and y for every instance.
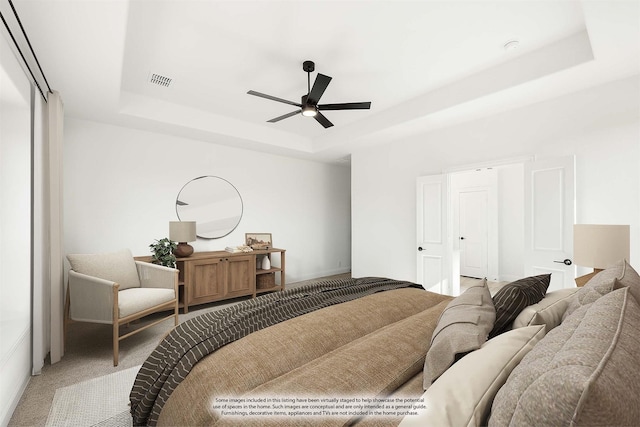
(422, 64)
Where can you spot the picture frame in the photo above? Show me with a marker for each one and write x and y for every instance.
(258, 241)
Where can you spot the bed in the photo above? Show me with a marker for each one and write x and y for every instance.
(382, 352)
(360, 338)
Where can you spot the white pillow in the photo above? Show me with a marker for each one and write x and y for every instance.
(463, 394)
(547, 312)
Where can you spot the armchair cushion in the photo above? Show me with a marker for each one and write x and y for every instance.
(135, 300)
(118, 267)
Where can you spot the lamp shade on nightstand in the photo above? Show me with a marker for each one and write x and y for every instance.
(598, 246)
(182, 232)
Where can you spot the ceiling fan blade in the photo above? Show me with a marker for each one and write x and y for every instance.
(346, 106)
(319, 86)
(273, 98)
(323, 120)
(277, 119)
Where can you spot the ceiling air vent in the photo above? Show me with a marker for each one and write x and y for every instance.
(160, 80)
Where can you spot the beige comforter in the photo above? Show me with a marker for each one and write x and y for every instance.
(371, 347)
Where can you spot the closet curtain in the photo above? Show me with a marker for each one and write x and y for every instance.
(56, 256)
(41, 290)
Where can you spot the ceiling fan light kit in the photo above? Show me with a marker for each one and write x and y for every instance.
(309, 111)
(309, 106)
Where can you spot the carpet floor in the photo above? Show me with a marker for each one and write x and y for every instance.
(89, 355)
(101, 401)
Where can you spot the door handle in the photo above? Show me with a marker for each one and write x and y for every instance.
(461, 238)
(565, 262)
(419, 248)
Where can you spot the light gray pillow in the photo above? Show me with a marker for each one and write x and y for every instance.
(463, 327)
(118, 267)
(548, 311)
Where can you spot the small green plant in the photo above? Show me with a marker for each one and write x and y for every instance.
(162, 252)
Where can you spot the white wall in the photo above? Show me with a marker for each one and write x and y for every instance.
(511, 221)
(600, 126)
(15, 231)
(120, 187)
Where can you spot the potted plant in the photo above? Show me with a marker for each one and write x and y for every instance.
(162, 252)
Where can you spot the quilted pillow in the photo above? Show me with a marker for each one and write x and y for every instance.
(462, 327)
(514, 297)
(463, 394)
(631, 279)
(583, 373)
(599, 285)
(118, 267)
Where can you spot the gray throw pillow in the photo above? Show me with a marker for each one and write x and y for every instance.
(463, 327)
(514, 297)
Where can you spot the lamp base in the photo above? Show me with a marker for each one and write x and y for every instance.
(183, 250)
(582, 280)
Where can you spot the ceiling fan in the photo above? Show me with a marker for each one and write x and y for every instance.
(309, 105)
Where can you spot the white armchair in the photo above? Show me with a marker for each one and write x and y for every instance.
(115, 289)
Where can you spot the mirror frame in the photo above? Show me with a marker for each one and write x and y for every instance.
(195, 219)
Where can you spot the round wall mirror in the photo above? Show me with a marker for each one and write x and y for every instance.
(213, 203)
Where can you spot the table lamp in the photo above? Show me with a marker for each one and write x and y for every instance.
(598, 246)
(182, 232)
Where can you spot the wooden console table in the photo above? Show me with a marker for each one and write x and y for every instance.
(219, 275)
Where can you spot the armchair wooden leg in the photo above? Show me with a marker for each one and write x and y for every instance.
(116, 325)
(116, 343)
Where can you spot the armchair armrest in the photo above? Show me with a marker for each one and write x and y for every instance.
(157, 276)
(91, 298)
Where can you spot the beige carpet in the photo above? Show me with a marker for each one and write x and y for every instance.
(102, 401)
(89, 355)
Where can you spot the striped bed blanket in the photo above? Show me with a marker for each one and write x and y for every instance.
(194, 339)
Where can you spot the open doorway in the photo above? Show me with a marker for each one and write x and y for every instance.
(494, 190)
(474, 219)
(535, 213)
(487, 220)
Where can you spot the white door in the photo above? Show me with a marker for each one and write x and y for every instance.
(549, 218)
(433, 251)
(474, 222)
(473, 232)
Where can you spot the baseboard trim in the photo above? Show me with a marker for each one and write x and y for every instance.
(16, 368)
(319, 274)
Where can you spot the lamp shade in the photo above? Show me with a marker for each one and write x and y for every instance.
(600, 245)
(182, 231)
